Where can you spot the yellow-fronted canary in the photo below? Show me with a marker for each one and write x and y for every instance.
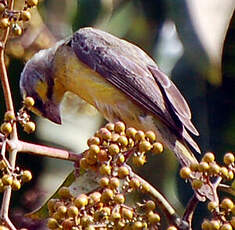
(116, 77)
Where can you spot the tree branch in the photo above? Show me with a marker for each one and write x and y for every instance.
(169, 211)
(9, 107)
(45, 151)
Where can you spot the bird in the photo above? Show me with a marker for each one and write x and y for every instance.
(116, 77)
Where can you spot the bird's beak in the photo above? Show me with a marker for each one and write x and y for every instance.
(52, 112)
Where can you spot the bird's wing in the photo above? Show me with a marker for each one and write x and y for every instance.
(177, 101)
(129, 69)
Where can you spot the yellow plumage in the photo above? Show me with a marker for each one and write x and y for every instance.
(76, 77)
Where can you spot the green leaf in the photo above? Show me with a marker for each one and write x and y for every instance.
(85, 182)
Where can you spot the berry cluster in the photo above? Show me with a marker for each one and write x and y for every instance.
(13, 18)
(112, 146)
(22, 117)
(224, 216)
(223, 213)
(8, 176)
(208, 168)
(7, 125)
(13, 179)
(107, 206)
(103, 209)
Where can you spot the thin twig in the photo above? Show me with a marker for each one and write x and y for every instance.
(191, 206)
(4, 77)
(3, 154)
(9, 107)
(227, 189)
(6, 198)
(9, 223)
(165, 206)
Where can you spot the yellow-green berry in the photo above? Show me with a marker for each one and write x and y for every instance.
(119, 127)
(26, 176)
(6, 128)
(114, 183)
(139, 136)
(226, 226)
(150, 205)
(107, 195)
(16, 185)
(139, 160)
(64, 192)
(208, 157)
(123, 171)
(81, 201)
(93, 141)
(153, 218)
(52, 223)
(105, 169)
(113, 149)
(29, 127)
(109, 126)
(9, 116)
(2, 7)
(171, 228)
(227, 204)
(151, 136)
(104, 182)
(7, 179)
(157, 148)
(185, 172)
(119, 198)
(4, 22)
(228, 158)
(131, 132)
(72, 211)
(212, 206)
(122, 140)
(203, 167)
(144, 146)
(127, 213)
(134, 183)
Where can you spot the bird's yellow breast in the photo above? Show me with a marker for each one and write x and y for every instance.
(73, 75)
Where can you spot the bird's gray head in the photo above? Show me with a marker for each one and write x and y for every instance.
(37, 82)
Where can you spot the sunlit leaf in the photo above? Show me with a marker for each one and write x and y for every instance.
(85, 182)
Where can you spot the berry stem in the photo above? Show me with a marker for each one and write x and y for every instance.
(10, 107)
(191, 206)
(4, 77)
(165, 206)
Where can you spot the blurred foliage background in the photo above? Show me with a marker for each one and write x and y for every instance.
(192, 41)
